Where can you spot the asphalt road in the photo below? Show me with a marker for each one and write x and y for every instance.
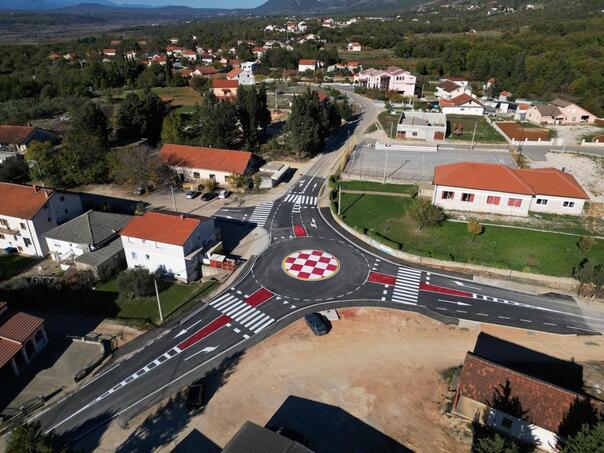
(309, 265)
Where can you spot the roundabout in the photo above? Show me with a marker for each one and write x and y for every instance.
(310, 265)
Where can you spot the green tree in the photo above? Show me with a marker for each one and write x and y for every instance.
(590, 439)
(584, 272)
(139, 165)
(598, 278)
(172, 130)
(475, 228)
(215, 123)
(140, 117)
(424, 213)
(345, 109)
(29, 438)
(253, 114)
(42, 159)
(585, 243)
(14, 169)
(135, 283)
(495, 443)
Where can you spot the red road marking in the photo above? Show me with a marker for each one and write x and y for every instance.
(205, 331)
(259, 297)
(384, 279)
(299, 231)
(443, 290)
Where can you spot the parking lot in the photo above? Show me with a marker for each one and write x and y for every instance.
(404, 165)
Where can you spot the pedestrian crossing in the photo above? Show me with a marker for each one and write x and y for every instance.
(261, 213)
(246, 315)
(300, 199)
(406, 288)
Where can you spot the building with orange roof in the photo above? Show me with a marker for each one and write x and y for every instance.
(224, 88)
(308, 65)
(498, 189)
(464, 104)
(18, 138)
(28, 212)
(169, 242)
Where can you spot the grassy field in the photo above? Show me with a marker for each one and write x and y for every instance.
(173, 296)
(11, 265)
(389, 122)
(175, 96)
(378, 57)
(485, 133)
(507, 248)
(370, 186)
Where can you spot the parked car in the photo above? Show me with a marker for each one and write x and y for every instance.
(195, 395)
(317, 324)
(10, 250)
(139, 190)
(224, 194)
(190, 194)
(208, 196)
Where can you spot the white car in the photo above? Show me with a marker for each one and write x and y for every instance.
(224, 194)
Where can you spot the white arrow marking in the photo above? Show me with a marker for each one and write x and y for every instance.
(182, 332)
(461, 304)
(210, 348)
(314, 186)
(465, 286)
(313, 223)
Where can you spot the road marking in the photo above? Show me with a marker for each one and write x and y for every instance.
(461, 304)
(550, 324)
(261, 213)
(481, 314)
(441, 308)
(406, 285)
(461, 311)
(525, 320)
(204, 350)
(504, 317)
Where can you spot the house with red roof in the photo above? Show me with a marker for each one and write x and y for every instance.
(225, 88)
(169, 242)
(392, 78)
(452, 87)
(22, 337)
(354, 47)
(498, 189)
(308, 65)
(241, 76)
(196, 163)
(464, 104)
(18, 138)
(28, 212)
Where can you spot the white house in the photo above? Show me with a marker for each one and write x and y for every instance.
(170, 242)
(249, 66)
(354, 47)
(189, 55)
(498, 189)
(449, 89)
(391, 79)
(464, 104)
(27, 212)
(194, 163)
(243, 77)
(307, 65)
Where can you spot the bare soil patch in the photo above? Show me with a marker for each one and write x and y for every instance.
(515, 131)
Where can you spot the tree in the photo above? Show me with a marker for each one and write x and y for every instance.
(584, 273)
(345, 109)
(589, 439)
(209, 185)
(14, 169)
(495, 443)
(140, 117)
(135, 283)
(215, 123)
(42, 158)
(172, 130)
(475, 228)
(598, 278)
(29, 438)
(253, 114)
(139, 165)
(424, 213)
(585, 243)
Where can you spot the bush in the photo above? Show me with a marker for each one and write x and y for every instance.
(424, 213)
(134, 283)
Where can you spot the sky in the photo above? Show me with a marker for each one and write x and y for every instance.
(198, 3)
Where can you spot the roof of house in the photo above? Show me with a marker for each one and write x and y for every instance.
(448, 86)
(14, 135)
(523, 106)
(561, 102)
(505, 93)
(307, 62)
(206, 70)
(163, 226)
(500, 178)
(101, 255)
(18, 326)
(222, 83)
(225, 160)
(234, 73)
(22, 201)
(91, 228)
(548, 110)
(546, 404)
(457, 79)
(460, 100)
(252, 438)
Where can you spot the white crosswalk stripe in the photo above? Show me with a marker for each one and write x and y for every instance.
(261, 213)
(244, 314)
(406, 288)
(299, 199)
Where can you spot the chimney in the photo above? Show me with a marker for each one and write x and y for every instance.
(46, 194)
(563, 169)
(182, 217)
(35, 188)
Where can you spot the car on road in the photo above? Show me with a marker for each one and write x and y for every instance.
(191, 194)
(224, 194)
(208, 196)
(317, 324)
(139, 190)
(195, 395)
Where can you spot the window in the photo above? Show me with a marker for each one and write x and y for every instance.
(414, 134)
(134, 257)
(143, 241)
(22, 225)
(493, 200)
(448, 195)
(66, 211)
(542, 201)
(27, 242)
(515, 202)
(62, 198)
(467, 197)
(569, 204)
(45, 206)
(49, 219)
(4, 223)
(507, 423)
(196, 175)
(147, 257)
(212, 177)
(2, 236)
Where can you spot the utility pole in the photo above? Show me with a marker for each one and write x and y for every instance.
(391, 125)
(474, 133)
(161, 315)
(339, 199)
(173, 199)
(385, 166)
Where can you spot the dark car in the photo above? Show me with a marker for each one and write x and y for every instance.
(317, 324)
(195, 396)
(208, 196)
(139, 190)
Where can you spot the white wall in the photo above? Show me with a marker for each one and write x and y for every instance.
(522, 430)
(555, 205)
(470, 110)
(190, 174)
(64, 250)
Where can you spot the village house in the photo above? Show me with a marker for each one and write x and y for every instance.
(195, 163)
(249, 66)
(241, 76)
(110, 52)
(464, 104)
(205, 71)
(308, 65)
(417, 125)
(225, 89)
(258, 52)
(28, 212)
(544, 389)
(559, 111)
(391, 79)
(169, 242)
(449, 89)
(89, 242)
(354, 47)
(498, 189)
(22, 337)
(18, 138)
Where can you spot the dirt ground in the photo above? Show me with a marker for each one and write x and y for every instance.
(588, 170)
(516, 132)
(382, 368)
(574, 134)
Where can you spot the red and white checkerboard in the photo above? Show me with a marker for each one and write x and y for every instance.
(310, 265)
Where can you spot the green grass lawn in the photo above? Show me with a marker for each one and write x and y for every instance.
(106, 301)
(11, 265)
(485, 133)
(178, 96)
(508, 248)
(389, 122)
(370, 186)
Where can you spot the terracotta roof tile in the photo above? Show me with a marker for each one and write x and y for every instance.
(225, 160)
(8, 349)
(221, 83)
(19, 326)
(22, 201)
(14, 135)
(459, 100)
(234, 73)
(545, 403)
(308, 62)
(165, 227)
(448, 86)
